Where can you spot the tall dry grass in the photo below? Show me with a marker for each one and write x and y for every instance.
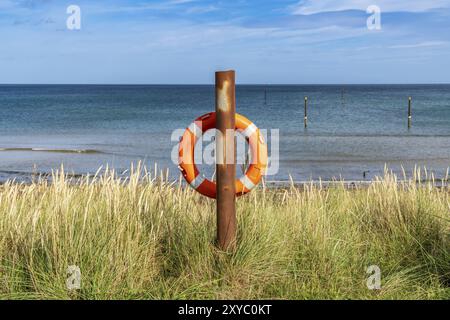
(146, 238)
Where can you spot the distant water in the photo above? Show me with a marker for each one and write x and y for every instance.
(352, 129)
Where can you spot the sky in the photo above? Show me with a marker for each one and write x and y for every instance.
(186, 41)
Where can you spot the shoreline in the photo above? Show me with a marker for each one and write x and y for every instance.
(271, 185)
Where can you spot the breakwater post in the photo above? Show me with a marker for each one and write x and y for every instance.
(409, 112)
(306, 112)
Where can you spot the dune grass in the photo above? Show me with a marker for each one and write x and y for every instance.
(146, 238)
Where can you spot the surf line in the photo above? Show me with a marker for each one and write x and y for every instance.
(85, 151)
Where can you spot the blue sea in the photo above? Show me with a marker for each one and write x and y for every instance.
(353, 130)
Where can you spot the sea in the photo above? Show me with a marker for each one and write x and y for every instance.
(353, 132)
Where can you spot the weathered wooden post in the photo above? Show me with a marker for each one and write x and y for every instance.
(226, 187)
(225, 159)
(409, 112)
(306, 112)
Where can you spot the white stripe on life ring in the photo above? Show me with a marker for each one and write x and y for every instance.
(195, 129)
(250, 130)
(247, 182)
(197, 181)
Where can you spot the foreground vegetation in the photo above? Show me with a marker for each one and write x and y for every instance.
(149, 239)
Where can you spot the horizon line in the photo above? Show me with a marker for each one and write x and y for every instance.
(212, 84)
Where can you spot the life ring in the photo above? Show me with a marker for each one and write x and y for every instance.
(189, 170)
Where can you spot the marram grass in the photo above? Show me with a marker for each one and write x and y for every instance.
(146, 238)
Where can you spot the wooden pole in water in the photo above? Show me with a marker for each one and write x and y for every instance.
(265, 96)
(409, 112)
(225, 159)
(306, 112)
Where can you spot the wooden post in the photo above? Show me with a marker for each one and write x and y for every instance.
(225, 160)
(409, 112)
(306, 112)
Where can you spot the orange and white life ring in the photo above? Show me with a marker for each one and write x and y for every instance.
(258, 159)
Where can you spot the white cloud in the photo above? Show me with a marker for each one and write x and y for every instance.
(180, 1)
(306, 7)
(420, 45)
(167, 5)
(201, 10)
(6, 4)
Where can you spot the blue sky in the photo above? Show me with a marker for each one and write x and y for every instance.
(185, 41)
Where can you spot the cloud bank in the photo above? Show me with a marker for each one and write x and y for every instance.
(307, 7)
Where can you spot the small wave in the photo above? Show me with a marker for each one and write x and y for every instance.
(83, 151)
(365, 135)
(28, 176)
